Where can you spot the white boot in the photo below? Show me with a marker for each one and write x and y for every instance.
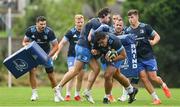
(87, 95)
(57, 95)
(34, 96)
(124, 96)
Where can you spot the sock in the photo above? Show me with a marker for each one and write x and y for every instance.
(76, 93)
(107, 95)
(34, 90)
(125, 93)
(164, 85)
(129, 89)
(154, 96)
(68, 93)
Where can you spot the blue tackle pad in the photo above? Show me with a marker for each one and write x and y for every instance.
(25, 59)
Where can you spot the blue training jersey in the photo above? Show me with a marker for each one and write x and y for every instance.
(114, 43)
(143, 33)
(93, 24)
(72, 37)
(43, 39)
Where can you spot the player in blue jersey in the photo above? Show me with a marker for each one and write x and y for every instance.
(83, 53)
(107, 44)
(45, 37)
(72, 37)
(146, 38)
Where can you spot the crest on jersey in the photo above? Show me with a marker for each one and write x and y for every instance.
(75, 36)
(141, 31)
(33, 36)
(20, 64)
(45, 37)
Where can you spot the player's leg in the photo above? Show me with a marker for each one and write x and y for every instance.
(152, 74)
(83, 56)
(108, 76)
(69, 86)
(124, 95)
(149, 87)
(94, 65)
(132, 91)
(51, 75)
(33, 83)
(69, 75)
(79, 80)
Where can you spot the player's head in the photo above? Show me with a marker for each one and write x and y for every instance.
(104, 15)
(40, 23)
(133, 16)
(118, 26)
(116, 17)
(101, 38)
(79, 21)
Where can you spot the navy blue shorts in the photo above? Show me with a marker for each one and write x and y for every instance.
(148, 65)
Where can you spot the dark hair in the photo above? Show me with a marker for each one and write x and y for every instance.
(104, 12)
(99, 35)
(40, 18)
(133, 12)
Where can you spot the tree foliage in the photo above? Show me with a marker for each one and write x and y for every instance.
(163, 16)
(59, 14)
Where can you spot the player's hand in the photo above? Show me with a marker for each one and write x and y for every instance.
(54, 57)
(110, 55)
(108, 58)
(94, 51)
(25, 43)
(151, 42)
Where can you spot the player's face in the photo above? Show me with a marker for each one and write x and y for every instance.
(103, 42)
(116, 17)
(79, 23)
(118, 26)
(41, 25)
(107, 19)
(133, 19)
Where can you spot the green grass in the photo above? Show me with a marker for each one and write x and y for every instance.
(20, 96)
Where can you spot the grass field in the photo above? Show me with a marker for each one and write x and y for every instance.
(20, 96)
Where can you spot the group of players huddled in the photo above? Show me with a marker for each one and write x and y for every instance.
(124, 53)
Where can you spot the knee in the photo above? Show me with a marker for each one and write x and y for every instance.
(107, 77)
(96, 69)
(153, 78)
(144, 79)
(49, 70)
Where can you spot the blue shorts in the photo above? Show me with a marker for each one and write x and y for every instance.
(82, 54)
(148, 65)
(49, 63)
(71, 61)
(116, 64)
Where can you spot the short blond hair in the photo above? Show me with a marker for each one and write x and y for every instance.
(78, 16)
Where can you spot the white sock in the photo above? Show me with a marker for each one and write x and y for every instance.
(77, 93)
(125, 93)
(107, 95)
(129, 89)
(164, 85)
(68, 93)
(154, 96)
(34, 90)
